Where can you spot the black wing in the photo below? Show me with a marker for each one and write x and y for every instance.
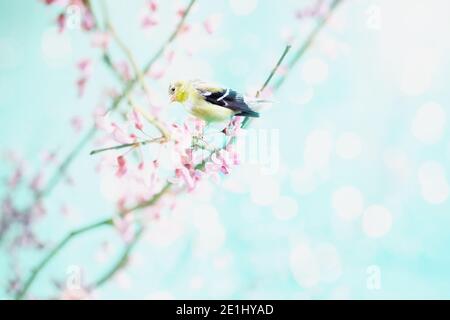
(230, 99)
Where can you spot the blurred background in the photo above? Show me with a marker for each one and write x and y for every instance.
(356, 206)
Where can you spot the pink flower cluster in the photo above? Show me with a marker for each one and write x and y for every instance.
(17, 222)
(84, 66)
(150, 17)
(319, 8)
(194, 163)
(133, 169)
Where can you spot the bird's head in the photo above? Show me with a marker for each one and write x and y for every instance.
(178, 91)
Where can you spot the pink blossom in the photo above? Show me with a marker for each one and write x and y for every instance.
(14, 285)
(152, 5)
(267, 94)
(181, 138)
(85, 65)
(222, 161)
(316, 10)
(49, 157)
(135, 118)
(16, 178)
(184, 173)
(87, 19)
(288, 35)
(149, 21)
(170, 55)
(65, 210)
(88, 22)
(212, 23)
(199, 126)
(101, 122)
(81, 85)
(282, 70)
(111, 93)
(180, 12)
(119, 135)
(212, 170)
(188, 177)
(233, 155)
(149, 18)
(122, 166)
(38, 210)
(61, 22)
(49, 2)
(36, 182)
(185, 28)
(101, 40)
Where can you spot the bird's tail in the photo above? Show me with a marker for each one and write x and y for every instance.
(248, 113)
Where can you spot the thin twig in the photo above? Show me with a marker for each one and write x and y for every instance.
(299, 53)
(308, 43)
(247, 120)
(274, 70)
(62, 168)
(54, 251)
(120, 146)
(126, 145)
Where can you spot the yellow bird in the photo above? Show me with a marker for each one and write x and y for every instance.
(209, 102)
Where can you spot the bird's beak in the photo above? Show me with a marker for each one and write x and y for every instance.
(172, 98)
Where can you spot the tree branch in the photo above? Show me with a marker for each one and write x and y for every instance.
(35, 272)
(77, 232)
(308, 42)
(274, 70)
(126, 145)
(61, 170)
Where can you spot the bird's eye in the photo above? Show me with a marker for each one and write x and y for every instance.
(172, 89)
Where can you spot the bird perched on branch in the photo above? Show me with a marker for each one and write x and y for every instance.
(211, 103)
